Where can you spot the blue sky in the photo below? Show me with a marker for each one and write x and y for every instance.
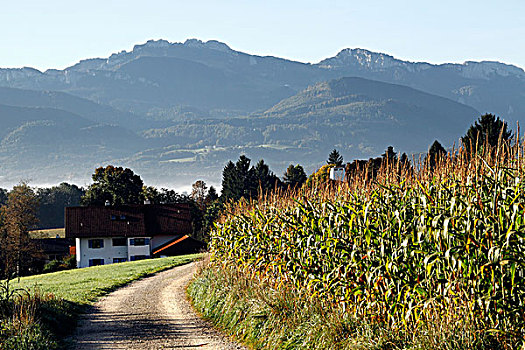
(58, 33)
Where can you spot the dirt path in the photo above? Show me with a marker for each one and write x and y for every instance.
(152, 313)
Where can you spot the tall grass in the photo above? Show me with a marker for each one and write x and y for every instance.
(407, 249)
(19, 319)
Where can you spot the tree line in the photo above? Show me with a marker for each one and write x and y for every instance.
(239, 180)
(487, 131)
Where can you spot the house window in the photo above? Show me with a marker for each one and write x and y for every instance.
(123, 217)
(96, 262)
(52, 257)
(138, 257)
(96, 243)
(119, 260)
(119, 242)
(113, 218)
(139, 241)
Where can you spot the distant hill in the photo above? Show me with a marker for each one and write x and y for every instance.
(361, 117)
(381, 114)
(45, 143)
(487, 86)
(177, 111)
(76, 105)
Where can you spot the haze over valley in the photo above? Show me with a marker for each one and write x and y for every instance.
(177, 112)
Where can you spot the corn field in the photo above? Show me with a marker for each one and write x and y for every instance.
(411, 246)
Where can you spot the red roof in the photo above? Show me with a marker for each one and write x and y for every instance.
(128, 220)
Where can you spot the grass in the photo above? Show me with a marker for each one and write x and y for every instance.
(84, 286)
(264, 317)
(43, 309)
(48, 233)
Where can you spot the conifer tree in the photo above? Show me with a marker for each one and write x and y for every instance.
(390, 155)
(487, 129)
(230, 182)
(238, 180)
(212, 195)
(3, 196)
(266, 179)
(335, 158)
(435, 152)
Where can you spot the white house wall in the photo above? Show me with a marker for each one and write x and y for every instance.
(108, 252)
(140, 250)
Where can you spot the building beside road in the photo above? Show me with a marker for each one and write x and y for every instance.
(112, 234)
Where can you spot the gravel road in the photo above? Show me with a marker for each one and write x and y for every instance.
(152, 313)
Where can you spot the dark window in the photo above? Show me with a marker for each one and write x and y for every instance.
(96, 243)
(138, 257)
(118, 242)
(119, 260)
(123, 217)
(139, 241)
(96, 262)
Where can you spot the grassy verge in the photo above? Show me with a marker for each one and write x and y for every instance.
(267, 318)
(45, 308)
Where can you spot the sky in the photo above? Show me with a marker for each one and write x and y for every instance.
(59, 33)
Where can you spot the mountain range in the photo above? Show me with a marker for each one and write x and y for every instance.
(176, 112)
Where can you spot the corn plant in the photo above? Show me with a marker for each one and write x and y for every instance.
(408, 247)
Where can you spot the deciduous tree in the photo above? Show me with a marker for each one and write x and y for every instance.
(53, 200)
(151, 194)
(19, 215)
(294, 176)
(199, 191)
(114, 184)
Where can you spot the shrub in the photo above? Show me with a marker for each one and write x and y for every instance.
(68, 263)
(52, 266)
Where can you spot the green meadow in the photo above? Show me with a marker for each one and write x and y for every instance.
(84, 286)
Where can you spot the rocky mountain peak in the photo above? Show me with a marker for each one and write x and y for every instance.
(375, 61)
(362, 58)
(210, 44)
(486, 69)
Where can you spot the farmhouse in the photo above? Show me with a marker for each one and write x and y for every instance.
(112, 234)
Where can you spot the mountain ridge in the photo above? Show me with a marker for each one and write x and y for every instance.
(174, 110)
(254, 83)
(363, 56)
